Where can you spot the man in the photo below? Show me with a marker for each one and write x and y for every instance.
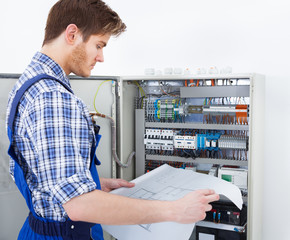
(53, 139)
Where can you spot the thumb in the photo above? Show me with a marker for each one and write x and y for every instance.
(125, 183)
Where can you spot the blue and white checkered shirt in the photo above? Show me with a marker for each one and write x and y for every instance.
(54, 133)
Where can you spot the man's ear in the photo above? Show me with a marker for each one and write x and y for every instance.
(71, 34)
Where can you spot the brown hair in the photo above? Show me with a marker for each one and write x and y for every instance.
(90, 16)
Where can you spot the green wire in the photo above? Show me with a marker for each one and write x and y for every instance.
(97, 93)
(141, 92)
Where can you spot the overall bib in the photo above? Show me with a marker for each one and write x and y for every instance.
(36, 227)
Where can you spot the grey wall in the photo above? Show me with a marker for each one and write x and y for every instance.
(13, 210)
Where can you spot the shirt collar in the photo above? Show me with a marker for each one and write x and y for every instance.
(51, 66)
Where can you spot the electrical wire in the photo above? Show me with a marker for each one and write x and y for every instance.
(114, 134)
(142, 92)
(140, 89)
(97, 94)
(166, 92)
(113, 142)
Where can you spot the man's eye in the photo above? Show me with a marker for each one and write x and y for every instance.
(99, 47)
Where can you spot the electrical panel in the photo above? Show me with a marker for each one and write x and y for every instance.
(207, 123)
(194, 122)
(201, 123)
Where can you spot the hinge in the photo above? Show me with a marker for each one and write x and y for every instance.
(119, 88)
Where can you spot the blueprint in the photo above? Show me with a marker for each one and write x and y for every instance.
(168, 183)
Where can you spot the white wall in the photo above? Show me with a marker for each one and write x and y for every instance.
(248, 35)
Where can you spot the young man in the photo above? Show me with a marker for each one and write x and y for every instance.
(53, 140)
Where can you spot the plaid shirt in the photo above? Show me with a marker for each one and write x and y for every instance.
(54, 133)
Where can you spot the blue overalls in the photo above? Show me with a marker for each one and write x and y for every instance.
(36, 227)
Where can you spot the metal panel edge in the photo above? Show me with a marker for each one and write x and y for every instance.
(139, 143)
(256, 148)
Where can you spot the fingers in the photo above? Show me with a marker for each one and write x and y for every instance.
(212, 198)
(209, 194)
(129, 185)
(193, 206)
(206, 191)
(124, 183)
(208, 207)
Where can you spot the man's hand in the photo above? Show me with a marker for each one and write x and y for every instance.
(193, 206)
(109, 184)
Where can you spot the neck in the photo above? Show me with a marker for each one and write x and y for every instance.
(57, 53)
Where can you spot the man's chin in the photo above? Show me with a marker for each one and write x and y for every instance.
(83, 74)
(86, 75)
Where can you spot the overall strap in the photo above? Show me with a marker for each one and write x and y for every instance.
(96, 230)
(67, 230)
(18, 172)
(23, 89)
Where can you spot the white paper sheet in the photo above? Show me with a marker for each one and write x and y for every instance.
(168, 183)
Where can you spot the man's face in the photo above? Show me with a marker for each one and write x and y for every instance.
(86, 54)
